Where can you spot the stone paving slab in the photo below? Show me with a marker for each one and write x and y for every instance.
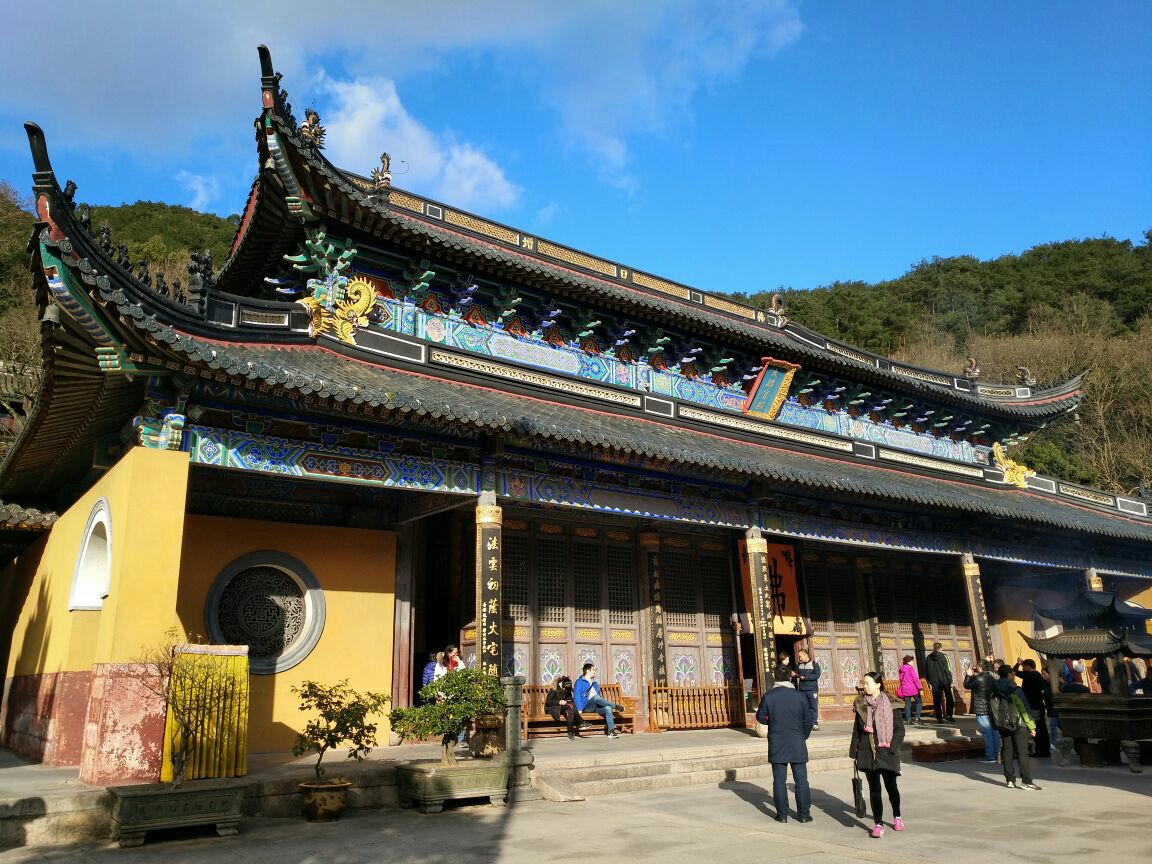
(956, 812)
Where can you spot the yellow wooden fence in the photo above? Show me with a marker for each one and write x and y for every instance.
(208, 688)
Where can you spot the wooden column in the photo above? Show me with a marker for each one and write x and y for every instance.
(763, 634)
(650, 560)
(977, 611)
(407, 537)
(489, 585)
(867, 588)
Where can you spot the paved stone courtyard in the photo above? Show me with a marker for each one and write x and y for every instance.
(955, 812)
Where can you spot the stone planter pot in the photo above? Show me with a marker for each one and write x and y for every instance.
(488, 739)
(428, 785)
(137, 810)
(325, 800)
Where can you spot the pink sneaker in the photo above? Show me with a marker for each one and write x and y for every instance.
(877, 831)
(897, 824)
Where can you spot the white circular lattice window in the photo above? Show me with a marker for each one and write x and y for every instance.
(270, 602)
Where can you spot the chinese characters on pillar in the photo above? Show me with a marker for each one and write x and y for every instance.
(489, 575)
(656, 592)
(760, 589)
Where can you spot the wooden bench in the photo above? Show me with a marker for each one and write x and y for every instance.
(536, 722)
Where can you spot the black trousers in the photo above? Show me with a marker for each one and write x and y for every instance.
(1043, 742)
(569, 712)
(876, 797)
(780, 788)
(942, 698)
(1016, 747)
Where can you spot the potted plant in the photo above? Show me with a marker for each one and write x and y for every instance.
(191, 681)
(447, 705)
(342, 717)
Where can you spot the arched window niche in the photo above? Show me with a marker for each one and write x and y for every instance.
(93, 575)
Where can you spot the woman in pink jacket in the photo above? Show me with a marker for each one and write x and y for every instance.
(909, 689)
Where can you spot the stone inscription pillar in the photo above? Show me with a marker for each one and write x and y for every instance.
(977, 611)
(650, 555)
(489, 585)
(764, 636)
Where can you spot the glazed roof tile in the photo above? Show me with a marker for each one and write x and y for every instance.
(15, 517)
(326, 180)
(318, 371)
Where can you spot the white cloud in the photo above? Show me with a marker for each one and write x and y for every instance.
(547, 213)
(160, 80)
(204, 190)
(366, 117)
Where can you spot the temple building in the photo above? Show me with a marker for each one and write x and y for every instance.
(385, 424)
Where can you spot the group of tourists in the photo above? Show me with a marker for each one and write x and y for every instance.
(566, 700)
(440, 663)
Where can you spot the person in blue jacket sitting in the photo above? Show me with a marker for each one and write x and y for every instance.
(587, 697)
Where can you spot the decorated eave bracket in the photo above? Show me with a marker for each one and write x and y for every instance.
(159, 425)
(337, 306)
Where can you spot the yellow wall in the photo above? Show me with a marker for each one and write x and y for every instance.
(146, 493)
(356, 571)
(1137, 592)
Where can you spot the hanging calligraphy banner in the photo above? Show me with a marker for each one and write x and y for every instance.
(787, 619)
(489, 574)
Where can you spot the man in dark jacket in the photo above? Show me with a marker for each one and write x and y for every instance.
(807, 678)
(939, 675)
(1038, 693)
(784, 710)
(979, 680)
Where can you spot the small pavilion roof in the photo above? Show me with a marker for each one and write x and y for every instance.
(1102, 607)
(1072, 644)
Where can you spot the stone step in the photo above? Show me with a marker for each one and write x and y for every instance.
(681, 778)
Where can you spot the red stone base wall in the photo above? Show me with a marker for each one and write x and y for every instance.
(42, 716)
(124, 730)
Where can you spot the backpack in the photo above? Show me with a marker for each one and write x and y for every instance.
(1003, 712)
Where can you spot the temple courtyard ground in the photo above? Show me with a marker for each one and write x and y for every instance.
(954, 811)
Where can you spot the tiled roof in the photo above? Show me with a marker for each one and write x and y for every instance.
(339, 194)
(1095, 606)
(15, 517)
(1090, 643)
(317, 371)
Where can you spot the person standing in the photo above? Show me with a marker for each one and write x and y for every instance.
(807, 679)
(939, 675)
(908, 689)
(877, 735)
(1032, 683)
(980, 681)
(429, 672)
(586, 695)
(785, 711)
(1013, 718)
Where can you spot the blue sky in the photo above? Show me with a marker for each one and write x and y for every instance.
(729, 145)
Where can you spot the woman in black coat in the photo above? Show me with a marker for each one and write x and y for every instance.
(877, 735)
(559, 703)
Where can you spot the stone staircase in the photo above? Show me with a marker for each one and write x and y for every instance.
(600, 772)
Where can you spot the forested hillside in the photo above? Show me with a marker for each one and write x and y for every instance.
(1057, 309)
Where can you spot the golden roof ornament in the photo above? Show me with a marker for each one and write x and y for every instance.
(1014, 472)
(972, 369)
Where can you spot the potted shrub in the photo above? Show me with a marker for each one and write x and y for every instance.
(447, 705)
(342, 718)
(191, 681)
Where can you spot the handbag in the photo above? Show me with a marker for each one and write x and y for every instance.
(858, 793)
